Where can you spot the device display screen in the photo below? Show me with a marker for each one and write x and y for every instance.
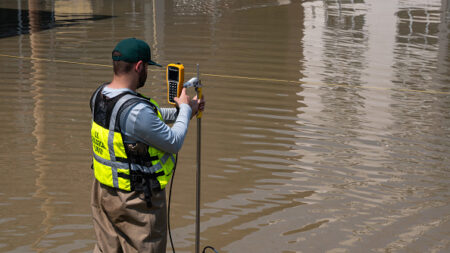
(173, 74)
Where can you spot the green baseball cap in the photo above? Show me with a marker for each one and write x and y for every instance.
(133, 50)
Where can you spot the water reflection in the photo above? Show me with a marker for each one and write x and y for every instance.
(36, 23)
(360, 148)
(17, 21)
(314, 130)
(45, 211)
(255, 129)
(444, 65)
(20, 21)
(344, 47)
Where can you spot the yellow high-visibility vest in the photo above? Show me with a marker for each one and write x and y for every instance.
(111, 162)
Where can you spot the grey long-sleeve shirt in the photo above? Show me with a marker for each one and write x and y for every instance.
(139, 123)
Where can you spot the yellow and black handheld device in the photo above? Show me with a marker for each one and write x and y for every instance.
(175, 80)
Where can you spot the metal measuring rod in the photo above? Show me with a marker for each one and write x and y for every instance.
(196, 83)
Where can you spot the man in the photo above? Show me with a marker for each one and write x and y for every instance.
(134, 154)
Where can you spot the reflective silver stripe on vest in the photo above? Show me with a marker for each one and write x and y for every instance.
(112, 124)
(134, 167)
(148, 170)
(167, 156)
(109, 163)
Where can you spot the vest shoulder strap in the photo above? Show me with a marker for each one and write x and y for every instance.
(94, 96)
(104, 109)
(132, 102)
(115, 106)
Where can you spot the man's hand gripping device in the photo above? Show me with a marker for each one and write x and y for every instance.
(175, 79)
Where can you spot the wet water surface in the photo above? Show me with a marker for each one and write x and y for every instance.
(327, 126)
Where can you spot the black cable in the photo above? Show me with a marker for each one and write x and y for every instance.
(168, 207)
(209, 247)
(168, 212)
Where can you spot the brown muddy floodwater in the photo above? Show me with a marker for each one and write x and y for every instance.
(327, 127)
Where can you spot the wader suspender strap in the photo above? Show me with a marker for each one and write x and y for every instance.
(93, 99)
(112, 124)
(92, 109)
(148, 192)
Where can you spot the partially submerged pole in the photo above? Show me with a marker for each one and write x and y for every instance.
(199, 131)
